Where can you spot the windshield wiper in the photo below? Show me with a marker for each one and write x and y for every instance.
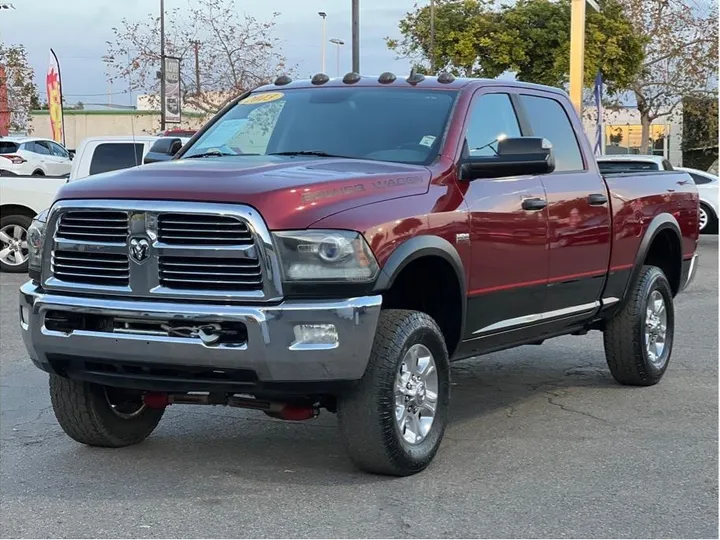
(212, 153)
(318, 153)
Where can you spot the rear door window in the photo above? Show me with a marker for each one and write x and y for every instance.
(548, 119)
(115, 156)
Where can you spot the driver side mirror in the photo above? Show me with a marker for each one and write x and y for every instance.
(514, 157)
(163, 150)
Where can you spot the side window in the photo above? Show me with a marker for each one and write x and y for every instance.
(41, 147)
(667, 165)
(700, 179)
(58, 150)
(114, 156)
(549, 120)
(492, 117)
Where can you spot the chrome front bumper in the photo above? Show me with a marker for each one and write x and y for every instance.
(269, 351)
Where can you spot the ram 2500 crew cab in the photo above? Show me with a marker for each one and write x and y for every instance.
(335, 244)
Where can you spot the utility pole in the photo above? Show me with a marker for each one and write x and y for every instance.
(162, 65)
(432, 37)
(356, 36)
(324, 16)
(196, 45)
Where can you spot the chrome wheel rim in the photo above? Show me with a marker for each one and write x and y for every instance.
(416, 394)
(656, 329)
(703, 218)
(120, 405)
(13, 245)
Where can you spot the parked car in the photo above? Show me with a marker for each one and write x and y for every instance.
(33, 156)
(22, 198)
(707, 185)
(335, 244)
(629, 163)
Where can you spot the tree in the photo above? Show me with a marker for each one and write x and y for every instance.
(21, 91)
(700, 131)
(235, 53)
(681, 56)
(530, 38)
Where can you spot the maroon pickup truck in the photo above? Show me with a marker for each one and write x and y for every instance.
(336, 244)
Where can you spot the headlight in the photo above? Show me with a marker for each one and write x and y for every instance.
(36, 240)
(325, 256)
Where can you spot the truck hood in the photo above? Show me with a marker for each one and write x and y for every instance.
(289, 192)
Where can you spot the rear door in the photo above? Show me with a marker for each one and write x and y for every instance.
(579, 222)
(62, 159)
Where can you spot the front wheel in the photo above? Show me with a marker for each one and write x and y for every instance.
(99, 415)
(13, 243)
(394, 420)
(639, 338)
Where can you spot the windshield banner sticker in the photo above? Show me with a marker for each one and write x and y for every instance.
(265, 97)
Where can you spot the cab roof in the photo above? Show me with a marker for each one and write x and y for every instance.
(440, 82)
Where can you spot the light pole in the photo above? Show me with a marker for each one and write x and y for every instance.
(356, 36)
(339, 43)
(324, 16)
(162, 65)
(432, 37)
(577, 49)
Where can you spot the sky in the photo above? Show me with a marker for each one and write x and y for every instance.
(77, 30)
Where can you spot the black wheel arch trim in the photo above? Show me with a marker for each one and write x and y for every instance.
(416, 248)
(660, 223)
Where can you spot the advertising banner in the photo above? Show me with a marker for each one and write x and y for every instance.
(172, 90)
(54, 97)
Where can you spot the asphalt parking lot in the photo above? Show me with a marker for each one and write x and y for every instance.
(543, 443)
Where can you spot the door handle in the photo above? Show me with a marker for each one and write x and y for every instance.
(534, 204)
(597, 199)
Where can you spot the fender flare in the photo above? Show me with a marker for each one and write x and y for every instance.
(416, 248)
(659, 223)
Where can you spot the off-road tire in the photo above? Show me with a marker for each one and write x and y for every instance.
(624, 334)
(366, 415)
(83, 412)
(24, 221)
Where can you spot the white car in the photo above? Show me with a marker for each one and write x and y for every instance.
(707, 186)
(33, 156)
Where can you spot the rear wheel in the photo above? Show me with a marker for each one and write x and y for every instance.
(13, 243)
(639, 338)
(99, 415)
(707, 219)
(394, 420)
(38, 172)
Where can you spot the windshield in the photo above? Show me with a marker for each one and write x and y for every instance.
(386, 124)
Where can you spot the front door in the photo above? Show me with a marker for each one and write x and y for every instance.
(508, 232)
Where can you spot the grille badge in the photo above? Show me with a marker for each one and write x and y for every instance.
(139, 249)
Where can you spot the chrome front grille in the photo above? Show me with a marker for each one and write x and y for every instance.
(108, 227)
(207, 273)
(203, 229)
(160, 249)
(91, 267)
